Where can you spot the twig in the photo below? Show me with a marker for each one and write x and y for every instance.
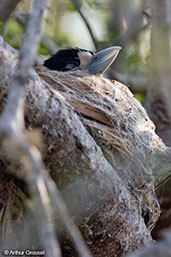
(22, 19)
(162, 62)
(56, 199)
(78, 8)
(135, 84)
(50, 44)
(40, 197)
(135, 26)
(60, 209)
(6, 8)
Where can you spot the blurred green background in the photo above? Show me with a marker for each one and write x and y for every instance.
(112, 22)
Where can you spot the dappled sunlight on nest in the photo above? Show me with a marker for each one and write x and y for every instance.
(107, 108)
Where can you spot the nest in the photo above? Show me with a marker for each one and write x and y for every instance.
(116, 121)
(114, 118)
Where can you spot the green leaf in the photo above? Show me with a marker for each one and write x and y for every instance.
(70, 7)
(140, 97)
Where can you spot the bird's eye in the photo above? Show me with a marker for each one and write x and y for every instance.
(70, 66)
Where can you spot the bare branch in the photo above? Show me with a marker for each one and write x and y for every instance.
(6, 8)
(135, 26)
(27, 56)
(50, 44)
(41, 177)
(31, 37)
(35, 179)
(136, 84)
(162, 63)
(158, 102)
(22, 19)
(60, 209)
(12, 122)
(78, 8)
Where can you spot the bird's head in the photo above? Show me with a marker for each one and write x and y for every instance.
(76, 58)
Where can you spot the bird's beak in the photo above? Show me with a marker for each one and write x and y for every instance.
(103, 59)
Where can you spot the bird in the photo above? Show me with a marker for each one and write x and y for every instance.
(76, 58)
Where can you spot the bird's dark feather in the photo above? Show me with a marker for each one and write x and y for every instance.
(64, 60)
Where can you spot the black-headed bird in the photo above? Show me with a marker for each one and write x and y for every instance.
(80, 59)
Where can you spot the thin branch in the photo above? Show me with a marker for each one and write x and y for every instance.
(133, 29)
(60, 209)
(40, 197)
(135, 26)
(22, 19)
(78, 8)
(6, 8)
(31, 37)
(41, 177)
(50, 44)
(135, 84)
(27, 56)
(162, 62)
